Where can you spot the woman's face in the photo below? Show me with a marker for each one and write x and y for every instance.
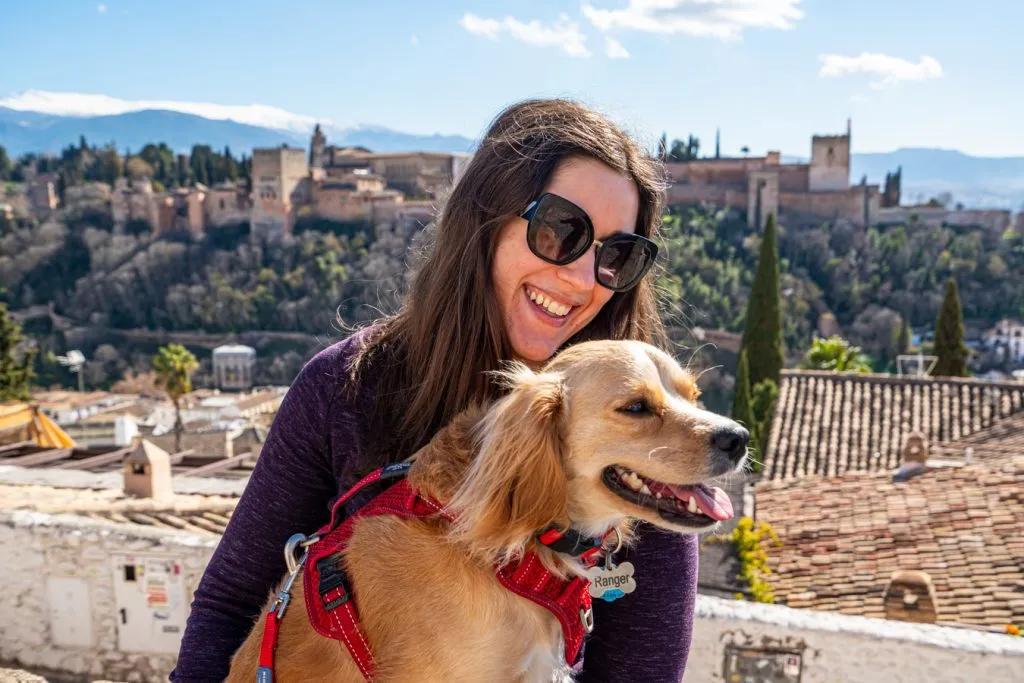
(537, 331)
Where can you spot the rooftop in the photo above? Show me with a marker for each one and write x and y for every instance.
(830, 423)
(206, 515)
(843, 537)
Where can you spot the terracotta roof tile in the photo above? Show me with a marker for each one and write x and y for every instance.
(830, 423)
(843, 537)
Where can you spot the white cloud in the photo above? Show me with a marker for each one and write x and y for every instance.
(414, 40)
(81, 104)
(563, 34)
(891, 70)
(722, 19)
(614, 48)
(101, 8)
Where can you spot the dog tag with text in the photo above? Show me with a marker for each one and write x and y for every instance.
(611, 584)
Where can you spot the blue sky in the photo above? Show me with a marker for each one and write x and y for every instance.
(935, 73)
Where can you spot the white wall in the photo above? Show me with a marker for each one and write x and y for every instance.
(63, 588)
(835, 648)
(62, 597)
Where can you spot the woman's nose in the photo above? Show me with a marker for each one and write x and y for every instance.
(580, 273)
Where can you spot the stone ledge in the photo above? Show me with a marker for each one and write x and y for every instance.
(945, 637)
(12, 474)
(119, 531)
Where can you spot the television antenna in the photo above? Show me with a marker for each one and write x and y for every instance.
(75, 361)
(915, 364)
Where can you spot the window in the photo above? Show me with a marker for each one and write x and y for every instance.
(222, 205)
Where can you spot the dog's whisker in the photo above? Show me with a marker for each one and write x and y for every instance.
(701, 374)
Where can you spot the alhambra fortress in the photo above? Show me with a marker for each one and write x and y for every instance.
(763, 185)
(355, 184)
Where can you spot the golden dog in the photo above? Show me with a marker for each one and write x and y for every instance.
(606, 434)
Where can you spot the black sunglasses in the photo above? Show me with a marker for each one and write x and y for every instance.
(560, 232)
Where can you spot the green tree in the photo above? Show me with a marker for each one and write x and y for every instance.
(835, 354)
(762, 406)
(16, 370)
(742, 410)
(174, 365)
(741, 399)
(949, 336)
(684, 150)
(762, 333)
(6, 168)
(905, 337)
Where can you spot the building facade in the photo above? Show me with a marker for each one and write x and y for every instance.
(232, 366)
(1008, 334)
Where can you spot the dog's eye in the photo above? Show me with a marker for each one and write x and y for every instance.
(638, 407)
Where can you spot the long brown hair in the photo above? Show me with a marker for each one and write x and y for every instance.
(434, 357)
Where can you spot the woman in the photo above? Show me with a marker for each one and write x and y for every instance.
(541, 243)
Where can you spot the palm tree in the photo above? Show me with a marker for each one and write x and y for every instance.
(174, 365)
(837, 355)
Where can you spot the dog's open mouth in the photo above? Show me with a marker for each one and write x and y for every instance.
(691, 505)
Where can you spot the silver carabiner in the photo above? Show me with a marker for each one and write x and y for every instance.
(294, 558)
(291, 557)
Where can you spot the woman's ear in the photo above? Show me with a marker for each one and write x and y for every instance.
(516, 485)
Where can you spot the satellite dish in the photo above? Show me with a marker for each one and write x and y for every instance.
(74, 360)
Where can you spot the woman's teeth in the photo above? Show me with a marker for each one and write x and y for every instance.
(547, 304)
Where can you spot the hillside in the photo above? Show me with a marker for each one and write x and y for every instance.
(104, 283)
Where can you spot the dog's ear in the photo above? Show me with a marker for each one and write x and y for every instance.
(515, 485)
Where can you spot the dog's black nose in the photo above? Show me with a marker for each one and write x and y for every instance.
(731, 442)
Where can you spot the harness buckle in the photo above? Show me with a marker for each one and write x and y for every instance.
(333, 588)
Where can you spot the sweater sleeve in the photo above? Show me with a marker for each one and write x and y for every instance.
(289, 491)
(645, 636)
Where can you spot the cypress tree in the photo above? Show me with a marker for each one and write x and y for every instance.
(905, 335)
(762, 333)
(741, 409)
(15, 373)
(949, 336)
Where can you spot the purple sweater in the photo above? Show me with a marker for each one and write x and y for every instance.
(311, 455)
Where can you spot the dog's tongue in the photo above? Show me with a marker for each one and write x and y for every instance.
(712, 501)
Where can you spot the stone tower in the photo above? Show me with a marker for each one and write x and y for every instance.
(830, 162)
(318, 148)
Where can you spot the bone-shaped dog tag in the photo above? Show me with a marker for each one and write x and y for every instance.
(611, 584)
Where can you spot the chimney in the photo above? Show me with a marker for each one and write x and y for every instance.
(147, 472)
(915, 457)
(910, 596)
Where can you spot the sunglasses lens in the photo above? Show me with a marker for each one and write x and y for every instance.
(557, 234)
(623, 261)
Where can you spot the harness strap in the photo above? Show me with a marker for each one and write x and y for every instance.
(396, 471)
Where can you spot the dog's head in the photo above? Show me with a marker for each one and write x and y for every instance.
(606, 431)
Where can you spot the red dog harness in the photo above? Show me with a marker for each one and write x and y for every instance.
(330, 604)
